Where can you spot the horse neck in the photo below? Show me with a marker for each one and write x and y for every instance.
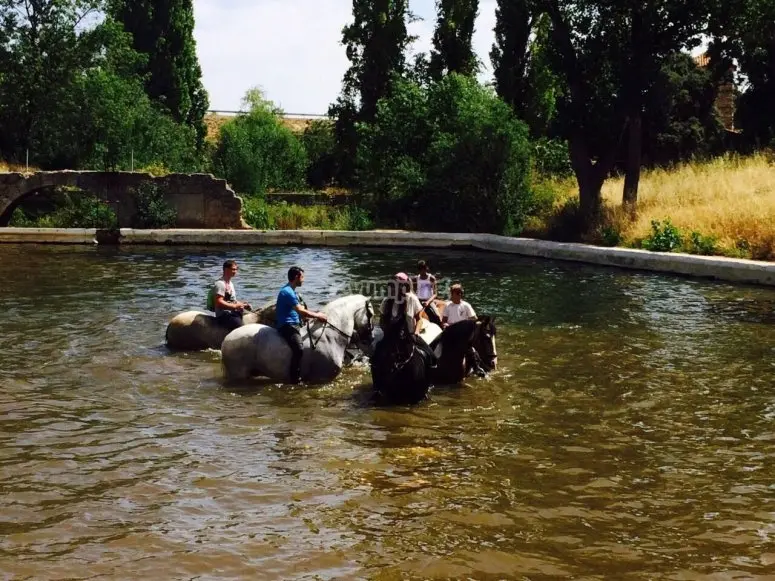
(339, 328)
(459, 337)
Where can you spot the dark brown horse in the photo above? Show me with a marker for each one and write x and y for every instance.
(401, 364)
(467, 347)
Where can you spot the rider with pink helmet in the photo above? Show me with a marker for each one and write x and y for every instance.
(401, 301)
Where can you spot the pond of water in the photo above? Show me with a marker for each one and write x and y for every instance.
(628, 434)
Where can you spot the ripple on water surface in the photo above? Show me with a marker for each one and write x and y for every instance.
(628, 433)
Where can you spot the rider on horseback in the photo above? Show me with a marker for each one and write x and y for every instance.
(289, 309)
(401, 302)
(425, 287)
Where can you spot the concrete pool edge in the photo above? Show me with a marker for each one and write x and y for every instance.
(715, 267)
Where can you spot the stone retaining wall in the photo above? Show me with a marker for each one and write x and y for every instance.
(728, 269)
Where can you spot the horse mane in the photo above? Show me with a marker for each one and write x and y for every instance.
(488, 321)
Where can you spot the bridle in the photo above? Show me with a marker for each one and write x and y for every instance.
(486, 338)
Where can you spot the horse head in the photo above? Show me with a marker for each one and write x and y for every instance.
(363, 335)
(484, 342)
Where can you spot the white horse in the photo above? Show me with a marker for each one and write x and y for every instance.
(260, 350)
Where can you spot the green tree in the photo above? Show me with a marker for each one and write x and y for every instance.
(450, 156)
(510, 55)
(43, 46)
(375, 43)
(680, 119)
(609, 55)
(164, 31)
(256, 152)
(523, 74)
(452, 50)
(743, 32)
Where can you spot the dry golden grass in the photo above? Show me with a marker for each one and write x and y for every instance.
(214, 122)
(15, 167)
(729, 198)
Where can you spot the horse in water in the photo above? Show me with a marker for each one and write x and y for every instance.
(260, 350)
(400, 367)
(465, 348)
(197, 330)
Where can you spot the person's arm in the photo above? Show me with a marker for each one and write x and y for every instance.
(310, 314)
(221, 303)
(471, 313)
(417, 308)
(417, 324)
(434, 294)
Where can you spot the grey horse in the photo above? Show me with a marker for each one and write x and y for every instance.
(259, 350)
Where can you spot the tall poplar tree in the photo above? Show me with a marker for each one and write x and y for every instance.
(164, 30)
(376, 44)
(510, 55)
(452, 50)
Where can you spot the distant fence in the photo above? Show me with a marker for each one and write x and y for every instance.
(287, 115)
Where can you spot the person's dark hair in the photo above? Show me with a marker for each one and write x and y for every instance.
(293, 272)
(421, 264)
(229, 264)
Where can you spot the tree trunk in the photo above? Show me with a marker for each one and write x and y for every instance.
(634, 153)
(590, 183)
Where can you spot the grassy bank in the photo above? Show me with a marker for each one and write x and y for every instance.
(284, 216)
(14, 167)
(723, 207)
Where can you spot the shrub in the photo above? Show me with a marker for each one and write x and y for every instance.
(86, 211)
(156, 169)
(19, 219)
(700, 244)
(450, 157)
(152, 209)
(320, 146)
(256, 152)
(552, 157)
(664, 237)
(70, 208)
(358, 219)
(255, 213)
(284, 216)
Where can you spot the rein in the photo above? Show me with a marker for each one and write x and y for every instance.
(314, 343)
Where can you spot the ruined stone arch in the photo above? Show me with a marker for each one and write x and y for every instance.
(200, 200)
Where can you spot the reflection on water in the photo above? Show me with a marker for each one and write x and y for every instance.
(628, 434)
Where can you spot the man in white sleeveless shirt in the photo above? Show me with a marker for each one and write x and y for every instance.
(425, 289)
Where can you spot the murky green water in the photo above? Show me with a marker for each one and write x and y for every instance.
(629, 434)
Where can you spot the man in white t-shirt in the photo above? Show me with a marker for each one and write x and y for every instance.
(228, 310)
(457, 309)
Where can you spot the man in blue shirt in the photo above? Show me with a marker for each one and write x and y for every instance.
(289, 313)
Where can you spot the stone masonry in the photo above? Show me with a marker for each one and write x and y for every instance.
(200, 200)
